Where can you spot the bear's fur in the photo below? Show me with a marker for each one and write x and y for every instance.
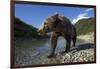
(60, 26)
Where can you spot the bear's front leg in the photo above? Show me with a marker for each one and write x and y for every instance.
(54, 37)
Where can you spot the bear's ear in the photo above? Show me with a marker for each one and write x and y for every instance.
(56, 14)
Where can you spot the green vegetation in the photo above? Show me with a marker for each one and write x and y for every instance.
(21, 29)
(85, 26)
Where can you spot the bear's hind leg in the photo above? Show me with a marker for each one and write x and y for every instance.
(74, 41)
(68, 44)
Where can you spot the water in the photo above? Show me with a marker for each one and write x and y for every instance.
(35, 51)
(27, 50)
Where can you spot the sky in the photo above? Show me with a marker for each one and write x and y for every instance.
(36, 14)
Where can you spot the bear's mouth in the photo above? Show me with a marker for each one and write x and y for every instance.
(47, 30)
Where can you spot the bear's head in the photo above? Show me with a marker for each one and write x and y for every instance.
(49, 24)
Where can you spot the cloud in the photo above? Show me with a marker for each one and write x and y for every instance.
(89, 9)
(80, 16)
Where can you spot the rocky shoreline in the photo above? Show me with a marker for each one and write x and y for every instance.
(83, 52)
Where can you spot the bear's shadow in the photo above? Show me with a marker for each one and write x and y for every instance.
(83, 46)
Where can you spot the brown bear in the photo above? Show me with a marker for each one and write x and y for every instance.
(59, 26)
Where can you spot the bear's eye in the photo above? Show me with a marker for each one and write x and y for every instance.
(45, 23)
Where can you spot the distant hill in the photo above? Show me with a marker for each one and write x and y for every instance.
(21, 29)
(85, 26)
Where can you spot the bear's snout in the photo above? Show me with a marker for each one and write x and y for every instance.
(40, 32)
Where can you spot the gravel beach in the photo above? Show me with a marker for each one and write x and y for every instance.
(30, 55)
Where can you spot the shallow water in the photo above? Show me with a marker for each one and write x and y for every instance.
(33, 51)
(28, 51)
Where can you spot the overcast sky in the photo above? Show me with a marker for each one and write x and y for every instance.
(36, 14)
